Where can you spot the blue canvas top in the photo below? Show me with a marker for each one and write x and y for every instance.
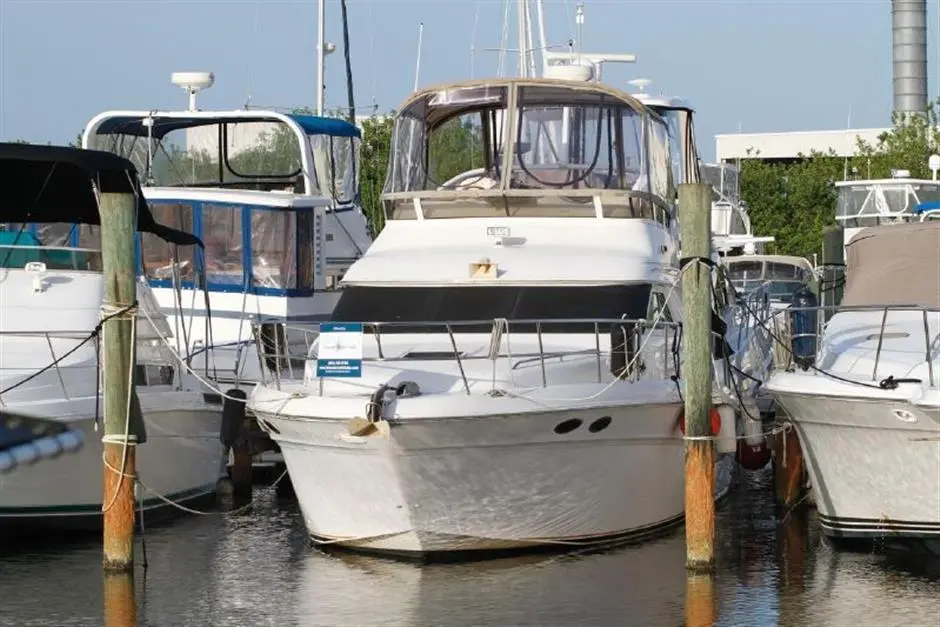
(315, 125)
(928, 205)
(311, 124)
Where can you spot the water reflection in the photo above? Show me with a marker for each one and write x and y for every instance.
(257, 569)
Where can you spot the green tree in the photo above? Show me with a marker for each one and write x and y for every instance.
(792, 202)
(375, 148)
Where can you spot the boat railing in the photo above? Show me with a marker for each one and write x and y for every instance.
(626, 336)
(811, 330)
(55, 357)
(20, 256)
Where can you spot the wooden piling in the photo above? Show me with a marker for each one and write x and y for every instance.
(695, 230)
(120, 603)
(242, 469)
(118, 225)
(789, 472)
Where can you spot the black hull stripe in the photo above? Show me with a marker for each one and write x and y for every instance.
(865, 527)
(537, 545)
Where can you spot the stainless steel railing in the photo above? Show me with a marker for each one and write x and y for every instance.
(275, 341)
(55, 357)
(884, 310)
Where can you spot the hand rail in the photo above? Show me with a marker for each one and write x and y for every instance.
(884, 310)
(48, 336)
(497, 328)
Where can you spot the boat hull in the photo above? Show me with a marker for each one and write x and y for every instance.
(492, 482)
(181, 460)
(874, 464)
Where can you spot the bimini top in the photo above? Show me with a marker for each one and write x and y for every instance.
(164, 122)
(547, 147)
(579, 91)
(50, 184)
(894, 264)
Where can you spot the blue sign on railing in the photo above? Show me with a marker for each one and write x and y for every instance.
(339, 352)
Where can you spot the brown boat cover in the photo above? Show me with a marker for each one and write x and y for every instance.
(895, 264)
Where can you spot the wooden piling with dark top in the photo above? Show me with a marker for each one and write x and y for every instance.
(695, 201)
(118, 226)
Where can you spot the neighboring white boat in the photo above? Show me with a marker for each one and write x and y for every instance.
(274, 198)
(867, 405)
(520, 382)
(897, 200)
(50, 300)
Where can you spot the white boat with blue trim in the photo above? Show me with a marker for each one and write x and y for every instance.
(274, 198)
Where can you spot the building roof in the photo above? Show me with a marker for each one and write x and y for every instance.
(790, 145)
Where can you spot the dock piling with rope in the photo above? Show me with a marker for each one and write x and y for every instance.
(123, 422)
(695, 201)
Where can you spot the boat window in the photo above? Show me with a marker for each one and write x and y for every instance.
(745, 270)
(565, 144)
(273, 249)
(306, 243)
(870, 205)
(776, 271)
(458, 152)
(222, 237)
(662, 182)
(260, 149)
(251, 154)
(59, 246)
(479, 303)
(161, 259)
(336, 160)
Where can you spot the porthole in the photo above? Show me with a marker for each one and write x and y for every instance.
(568, 426)
(600, 424)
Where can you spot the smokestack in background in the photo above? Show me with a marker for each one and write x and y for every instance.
(909, 37)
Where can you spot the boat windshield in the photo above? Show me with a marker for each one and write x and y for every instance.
(870, 203)
(564, 141)
(236, 152)
(780, 279)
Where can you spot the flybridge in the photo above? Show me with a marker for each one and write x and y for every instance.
(272, 195)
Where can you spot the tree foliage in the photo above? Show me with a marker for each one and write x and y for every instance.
(376, 145)
(795, 201)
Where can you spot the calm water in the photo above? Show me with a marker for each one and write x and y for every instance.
(256, 568)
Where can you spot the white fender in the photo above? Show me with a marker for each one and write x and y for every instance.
(727, 435)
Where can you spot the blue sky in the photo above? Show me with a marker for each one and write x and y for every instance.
(766, 65)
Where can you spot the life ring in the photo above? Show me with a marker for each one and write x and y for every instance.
(715, 421)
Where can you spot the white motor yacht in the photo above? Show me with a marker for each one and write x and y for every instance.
(503, 367)
(865, 402)
(50, 305)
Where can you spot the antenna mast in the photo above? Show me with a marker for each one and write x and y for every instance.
(321, 53)
(420, 45)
